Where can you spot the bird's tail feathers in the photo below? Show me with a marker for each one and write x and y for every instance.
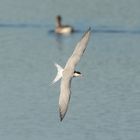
(59, 73)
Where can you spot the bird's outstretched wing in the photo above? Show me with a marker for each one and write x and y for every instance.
(65, 88)
(65, 93)
(78, 52)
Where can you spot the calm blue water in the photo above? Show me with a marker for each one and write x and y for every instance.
(105, 104)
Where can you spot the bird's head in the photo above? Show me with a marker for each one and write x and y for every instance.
(77, 74)
(58, 18)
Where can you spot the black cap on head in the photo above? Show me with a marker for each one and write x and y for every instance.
(77, 72)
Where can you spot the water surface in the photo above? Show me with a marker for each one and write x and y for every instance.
(104, 104)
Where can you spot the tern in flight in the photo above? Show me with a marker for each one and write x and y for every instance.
(68, 72)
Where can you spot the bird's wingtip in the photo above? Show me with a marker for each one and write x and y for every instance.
(90, 29)
(61, 115)
(61, 119)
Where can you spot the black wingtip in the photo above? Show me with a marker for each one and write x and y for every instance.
(60, 114)
(61, 117)
(89, 29)
(87, 32)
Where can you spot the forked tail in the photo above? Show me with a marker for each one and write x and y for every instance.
(59, 73)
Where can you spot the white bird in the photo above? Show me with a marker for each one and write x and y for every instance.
(68, 73)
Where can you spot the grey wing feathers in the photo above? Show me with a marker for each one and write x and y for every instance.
(65, 89)
(65, 93)
(79, 50)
